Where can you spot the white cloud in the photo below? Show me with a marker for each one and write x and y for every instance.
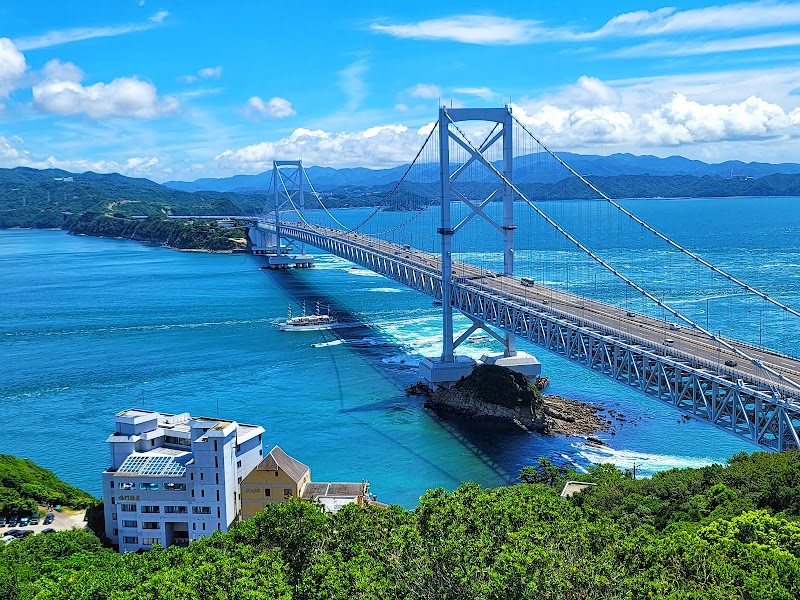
(210, 72)
(143, 166)
(204, 73)
(498, 31)
(61, 92)
(351, 82)
(142, 2)
(694, 48)
(65, 36)
(382, 146)
(159, 16)
(738, 16)
(675, 122)
(481, 92)
(425, 90)
(468, 29)
(274, 108)
(12, 66)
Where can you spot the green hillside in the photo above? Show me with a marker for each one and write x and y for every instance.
(719, 532)
(24, 485)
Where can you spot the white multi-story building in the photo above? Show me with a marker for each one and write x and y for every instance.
(175, 478)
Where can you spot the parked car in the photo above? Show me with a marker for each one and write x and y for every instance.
(2, 520)
(674, 327)
(25, 533)
(49, 518)
(13, 532)
(7, 539)
(48, 530)
(34, 519)
(730, 363)
(12, 522)
(23, 521)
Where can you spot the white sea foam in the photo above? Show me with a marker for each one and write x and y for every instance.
(363, 273)
(645, 463)
(385, 290)
(326, 344)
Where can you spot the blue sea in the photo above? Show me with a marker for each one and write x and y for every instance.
(91, 326)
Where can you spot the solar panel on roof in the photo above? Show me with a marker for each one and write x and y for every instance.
(151, 465)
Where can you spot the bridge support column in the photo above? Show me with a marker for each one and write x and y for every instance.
(449, 368)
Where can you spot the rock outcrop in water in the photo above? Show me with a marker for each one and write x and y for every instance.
(496, 393)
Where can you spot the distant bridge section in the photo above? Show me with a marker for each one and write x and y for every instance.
(678, 366)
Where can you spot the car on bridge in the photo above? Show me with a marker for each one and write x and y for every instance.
(730, 363)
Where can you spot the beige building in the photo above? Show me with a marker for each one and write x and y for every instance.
(280, 477)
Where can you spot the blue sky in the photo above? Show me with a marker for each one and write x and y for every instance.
(181, 90)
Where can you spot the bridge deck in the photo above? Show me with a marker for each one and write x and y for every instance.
(686, 342)
(688, 372)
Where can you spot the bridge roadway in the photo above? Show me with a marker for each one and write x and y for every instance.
(678, 365)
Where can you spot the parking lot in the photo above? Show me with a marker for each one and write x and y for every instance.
(64, 520)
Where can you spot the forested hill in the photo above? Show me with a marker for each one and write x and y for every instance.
(39, 198)
(54, 199)
(718, 532)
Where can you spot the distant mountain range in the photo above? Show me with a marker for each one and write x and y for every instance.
(328, 178)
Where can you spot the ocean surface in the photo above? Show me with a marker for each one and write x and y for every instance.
(90, 326)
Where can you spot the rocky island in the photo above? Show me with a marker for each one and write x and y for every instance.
(497, 393)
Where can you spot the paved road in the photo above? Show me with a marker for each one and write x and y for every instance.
(678, 341)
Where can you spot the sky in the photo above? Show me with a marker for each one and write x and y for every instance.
(174, 90)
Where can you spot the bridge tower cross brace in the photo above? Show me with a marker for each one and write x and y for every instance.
(282, 197)
(502, 117)
(447, 369)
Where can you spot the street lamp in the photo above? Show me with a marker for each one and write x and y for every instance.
(760, 326)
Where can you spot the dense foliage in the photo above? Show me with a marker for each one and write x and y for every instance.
(719, 532)
(502, 386)
(24, 485)
(175, 233)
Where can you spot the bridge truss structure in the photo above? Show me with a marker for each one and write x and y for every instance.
(755, 395)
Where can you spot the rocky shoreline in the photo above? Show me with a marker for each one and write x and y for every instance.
(551, 414)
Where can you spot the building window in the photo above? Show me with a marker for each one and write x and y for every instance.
(201, 510)
(113, 516)
(150, 487)
(217, 474)
(113, 500)
(175, 509)
(194, 526)
(238, 448)
(259, 437)
(216, 462)
(191, 476)
(238, 464)
(202, 493)
(151, 509)
(112, 484)
(192, 493)
(151, 525)
(127, 507)
(174, 487)
(215, 446)
(218, 513)
(116, 531)
(202, 476)
(239, 480)
(127, 485)
(129, 539)
(287, 493)
(150, 541)
(267, 492)
(152, 443)
(217, 495)
(204, 526)
(129, 523)
(260, 452)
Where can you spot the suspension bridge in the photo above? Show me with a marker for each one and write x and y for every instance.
(568, 269)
